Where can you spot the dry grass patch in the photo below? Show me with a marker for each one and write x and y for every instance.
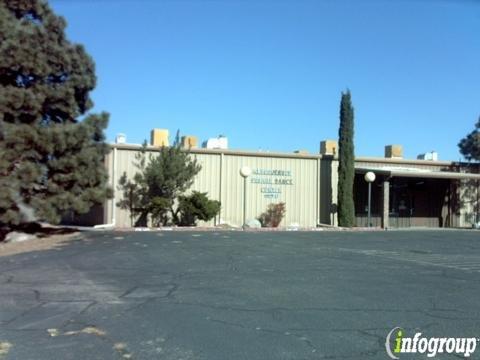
(40, 243)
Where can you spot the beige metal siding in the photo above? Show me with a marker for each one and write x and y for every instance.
(221, 179)
(300, 197)
(208, 179)
(125, 163)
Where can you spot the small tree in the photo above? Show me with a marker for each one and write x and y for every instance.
(273, 216)
(196, 206)
(470, 144)
(346, 166)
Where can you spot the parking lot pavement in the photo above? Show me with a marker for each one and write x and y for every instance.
(235, 295)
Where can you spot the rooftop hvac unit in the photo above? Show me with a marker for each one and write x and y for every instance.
(394, 151)
(432, 156)
(159, 137)
(121, 139)
(189, 142)
(220, 142)
(328, 147)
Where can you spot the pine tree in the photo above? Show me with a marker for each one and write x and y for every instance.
(470, 144)
(346, 168)
(50, 161)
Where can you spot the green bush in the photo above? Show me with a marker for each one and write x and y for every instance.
(273, 216)
(196, 206)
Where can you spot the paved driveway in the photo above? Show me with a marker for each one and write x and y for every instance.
(234, 295)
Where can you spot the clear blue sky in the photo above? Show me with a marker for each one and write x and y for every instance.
(269, 73)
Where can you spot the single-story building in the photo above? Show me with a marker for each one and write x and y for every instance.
(406, 193)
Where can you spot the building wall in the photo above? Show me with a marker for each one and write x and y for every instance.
(295, 184)
(302, 182)
(208, 179)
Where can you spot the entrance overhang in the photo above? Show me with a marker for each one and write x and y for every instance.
(417, 173)
(388, 174)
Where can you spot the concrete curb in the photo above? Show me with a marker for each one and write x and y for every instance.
(216, 229)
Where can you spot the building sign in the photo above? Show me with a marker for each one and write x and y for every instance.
(272, 181)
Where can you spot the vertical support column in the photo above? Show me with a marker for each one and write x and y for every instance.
(245, 172)
(455, 203)
(445, 215)
(386, 203)
(244, 201)
(334, 191)
(450, 210)
(369, 223)
(114, 187)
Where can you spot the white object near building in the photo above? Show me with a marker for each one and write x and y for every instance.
(220, 142)
(432, 156)
(121, 139)
(370, 177)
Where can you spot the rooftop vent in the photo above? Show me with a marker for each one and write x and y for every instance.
(220, 142)
(432, 156)
(394, 152)
(328, 147)
(189, 142)
(159, 137)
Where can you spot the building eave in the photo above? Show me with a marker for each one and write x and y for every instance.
(415, 173)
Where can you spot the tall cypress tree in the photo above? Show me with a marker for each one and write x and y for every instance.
(346, 168)
(51, 160)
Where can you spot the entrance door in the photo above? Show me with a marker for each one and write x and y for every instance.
(417, 202)
(401, 203)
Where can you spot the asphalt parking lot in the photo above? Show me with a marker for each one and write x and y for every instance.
(234, 295)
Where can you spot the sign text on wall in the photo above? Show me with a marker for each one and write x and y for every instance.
(273, 181)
